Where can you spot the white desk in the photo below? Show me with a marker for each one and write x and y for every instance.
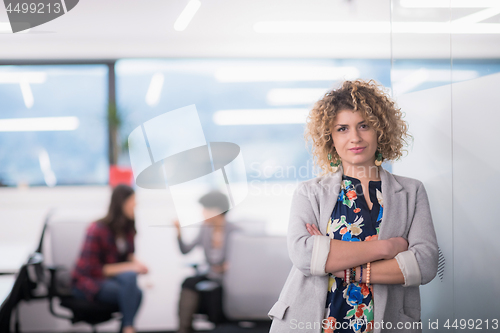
(13, 256)
(6, 284)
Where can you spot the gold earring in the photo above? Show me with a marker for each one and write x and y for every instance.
(378, 158)
(335, 165)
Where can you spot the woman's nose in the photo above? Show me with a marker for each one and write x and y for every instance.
(355, 137)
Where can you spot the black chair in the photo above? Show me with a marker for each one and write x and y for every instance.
(30, 277)
(92, 313)
(66, 239)
(22, 290)
(210, 298)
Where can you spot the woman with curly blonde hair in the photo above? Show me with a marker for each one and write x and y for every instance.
(361, 239)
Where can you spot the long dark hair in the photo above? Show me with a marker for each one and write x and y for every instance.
(116, 219)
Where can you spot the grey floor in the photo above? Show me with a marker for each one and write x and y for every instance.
(260, 327)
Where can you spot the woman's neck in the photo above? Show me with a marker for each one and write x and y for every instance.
(371, 172)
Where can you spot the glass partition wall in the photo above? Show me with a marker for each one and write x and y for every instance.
(440, 59)
(445, 78)
(476, 163)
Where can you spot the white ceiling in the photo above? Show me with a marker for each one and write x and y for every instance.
(102, 29)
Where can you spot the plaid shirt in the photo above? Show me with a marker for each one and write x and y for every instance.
(98, 249)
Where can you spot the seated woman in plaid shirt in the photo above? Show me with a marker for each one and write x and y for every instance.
(107, 269)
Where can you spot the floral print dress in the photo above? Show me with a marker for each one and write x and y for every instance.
(352, 221)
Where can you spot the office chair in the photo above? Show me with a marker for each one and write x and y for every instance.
(26, 285)
(268, 259)
(211, 292)
(257, 270)
(66, 239)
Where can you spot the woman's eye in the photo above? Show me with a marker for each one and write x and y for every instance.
(341, 129)
(364, 126)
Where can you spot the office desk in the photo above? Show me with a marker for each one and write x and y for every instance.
(13, 256)
(6, 284)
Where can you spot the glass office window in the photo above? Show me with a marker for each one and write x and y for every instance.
(53, 127)
(277, 95)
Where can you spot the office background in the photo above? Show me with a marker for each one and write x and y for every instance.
(440, 60)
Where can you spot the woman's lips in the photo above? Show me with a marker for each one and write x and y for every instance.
(357, 150)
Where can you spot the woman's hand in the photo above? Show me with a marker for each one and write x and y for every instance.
(136, 265)
(178, 227)
(220, 268)
(394, 246)
(140, 268)
(126, 266)
(313, 229)
(339, 274)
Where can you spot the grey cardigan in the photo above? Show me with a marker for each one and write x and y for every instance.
(301, 304)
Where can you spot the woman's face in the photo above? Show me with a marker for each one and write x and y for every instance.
(213, 216)
(129, 206)
(350, 131)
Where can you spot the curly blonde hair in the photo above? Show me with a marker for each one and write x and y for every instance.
(378, 110)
